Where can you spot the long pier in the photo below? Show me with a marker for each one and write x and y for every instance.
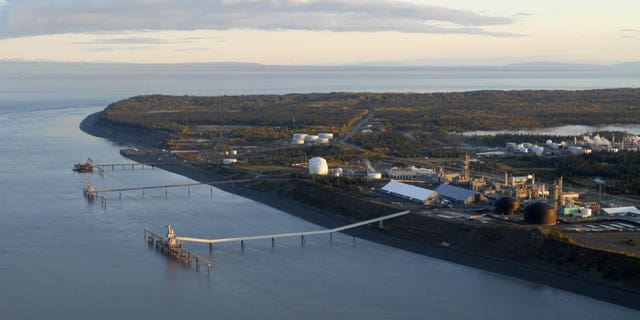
(182, 185)
(291, 234)
(171, 246)
(133, 165)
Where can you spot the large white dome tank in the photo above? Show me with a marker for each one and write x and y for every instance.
(319, 166)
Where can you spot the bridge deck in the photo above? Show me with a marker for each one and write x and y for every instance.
(294, 234)
(173, 185)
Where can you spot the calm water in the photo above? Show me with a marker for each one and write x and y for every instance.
(62, 258)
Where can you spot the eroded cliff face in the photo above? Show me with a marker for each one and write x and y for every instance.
(535, 247)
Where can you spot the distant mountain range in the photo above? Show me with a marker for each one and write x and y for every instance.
(19, 67)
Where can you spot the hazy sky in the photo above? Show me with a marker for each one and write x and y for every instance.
(321, 32)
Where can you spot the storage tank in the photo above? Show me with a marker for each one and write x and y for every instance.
(323, 140)
(507, 205)
(299, 136)
(537, 150)
(575, 150)
(234, 152)
(229, 161)
(325, 135)
(310, 138)
(299, 141)
(374, 175)
(540, 213)
(318, 166)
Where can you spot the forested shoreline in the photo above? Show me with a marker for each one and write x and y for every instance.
(431, 112)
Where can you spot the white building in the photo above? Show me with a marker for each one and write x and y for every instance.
(621, 211)
(409, 192)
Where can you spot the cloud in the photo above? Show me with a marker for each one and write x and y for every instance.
(193, 49)
(110, 49)
(20, 18)
(136, 40)
(142, 40)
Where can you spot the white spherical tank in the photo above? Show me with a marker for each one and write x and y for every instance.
(318, 166)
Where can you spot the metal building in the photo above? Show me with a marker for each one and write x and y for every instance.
(456, 194)
(409, 192)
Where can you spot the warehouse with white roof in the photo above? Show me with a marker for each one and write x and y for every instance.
(409, 192)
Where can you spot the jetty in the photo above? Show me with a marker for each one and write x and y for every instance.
(90, 192)
(133, 165)
(173, 249)
(171, 246)
(273, 237)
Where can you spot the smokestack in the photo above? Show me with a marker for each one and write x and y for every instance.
(560, 192)
(555, 195)
(467, 163)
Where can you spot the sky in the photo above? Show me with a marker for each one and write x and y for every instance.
(316, 32)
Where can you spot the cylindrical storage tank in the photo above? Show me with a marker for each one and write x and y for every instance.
(325, 135)
(340, 171)
(299, 136)
(507, 206)
(575, 150)
(234, 152)
(323, 140)
(318, 166)
(310, 138)
(299, 141)
(540, 213)
(374, 175)
(537, 150)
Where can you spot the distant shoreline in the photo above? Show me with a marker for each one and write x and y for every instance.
(596, 290)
